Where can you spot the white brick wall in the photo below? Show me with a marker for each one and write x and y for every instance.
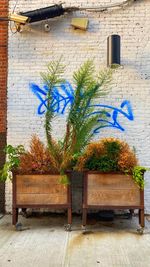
(30, 50)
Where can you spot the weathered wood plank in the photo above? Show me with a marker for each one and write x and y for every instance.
(44, 184)
(116, 181)
(113, 197)
(41, 199)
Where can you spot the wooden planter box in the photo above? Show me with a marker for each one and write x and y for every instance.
(111, 191)
(40, 191)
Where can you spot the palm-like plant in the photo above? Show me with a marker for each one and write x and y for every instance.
(79, 125)
(81, 120)
(51, 78)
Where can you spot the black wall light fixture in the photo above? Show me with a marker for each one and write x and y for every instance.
(113, 51)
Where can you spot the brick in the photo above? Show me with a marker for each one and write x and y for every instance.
(2, 160)
(3, 90)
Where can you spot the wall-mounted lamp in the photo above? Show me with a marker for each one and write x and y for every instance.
(113, 50)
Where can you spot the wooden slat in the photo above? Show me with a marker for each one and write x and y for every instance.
(44, 184)
(113, 197)
(41, 199)
(116, 181)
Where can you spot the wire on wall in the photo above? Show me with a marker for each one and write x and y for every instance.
(15, 6)
(56, 10)
(14, 25)
(101, 8)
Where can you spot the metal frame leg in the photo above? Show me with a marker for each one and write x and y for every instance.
(69, 213)
(15, 216)
(69, 216)
(141, 218)
(84, 217)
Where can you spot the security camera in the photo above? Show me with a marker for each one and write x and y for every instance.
(47, 27)
(19, 19)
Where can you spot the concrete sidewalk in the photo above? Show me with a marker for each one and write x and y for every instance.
(46, 244)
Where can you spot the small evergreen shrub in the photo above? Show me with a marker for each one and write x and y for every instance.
(108, 155)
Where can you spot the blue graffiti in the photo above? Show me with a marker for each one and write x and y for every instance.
(63, 97)
(113, 115)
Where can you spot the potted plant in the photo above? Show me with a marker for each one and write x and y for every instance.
(40, 176)
(112, 177)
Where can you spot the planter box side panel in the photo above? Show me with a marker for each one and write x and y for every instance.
(112, 189)
(40, 190)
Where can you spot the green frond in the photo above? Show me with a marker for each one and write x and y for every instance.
(53, 76)
(84, 76)
(85, 133)
(104, 77)
(88, 89)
